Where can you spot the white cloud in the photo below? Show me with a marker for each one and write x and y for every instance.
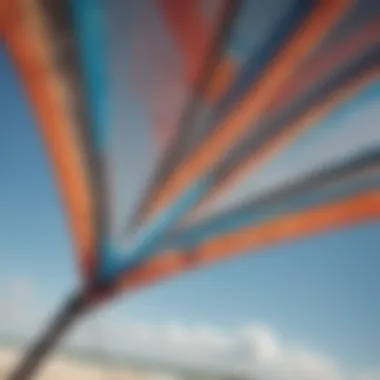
(298, 364)
(255, 351)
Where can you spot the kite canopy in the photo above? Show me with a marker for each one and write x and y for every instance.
(185, 132)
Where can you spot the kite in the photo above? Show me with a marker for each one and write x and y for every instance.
(162, 120)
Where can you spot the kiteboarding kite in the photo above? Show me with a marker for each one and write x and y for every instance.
(162, 118)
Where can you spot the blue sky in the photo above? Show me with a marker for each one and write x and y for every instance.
(322, 293)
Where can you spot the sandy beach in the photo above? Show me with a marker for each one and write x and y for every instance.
(59, 368)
